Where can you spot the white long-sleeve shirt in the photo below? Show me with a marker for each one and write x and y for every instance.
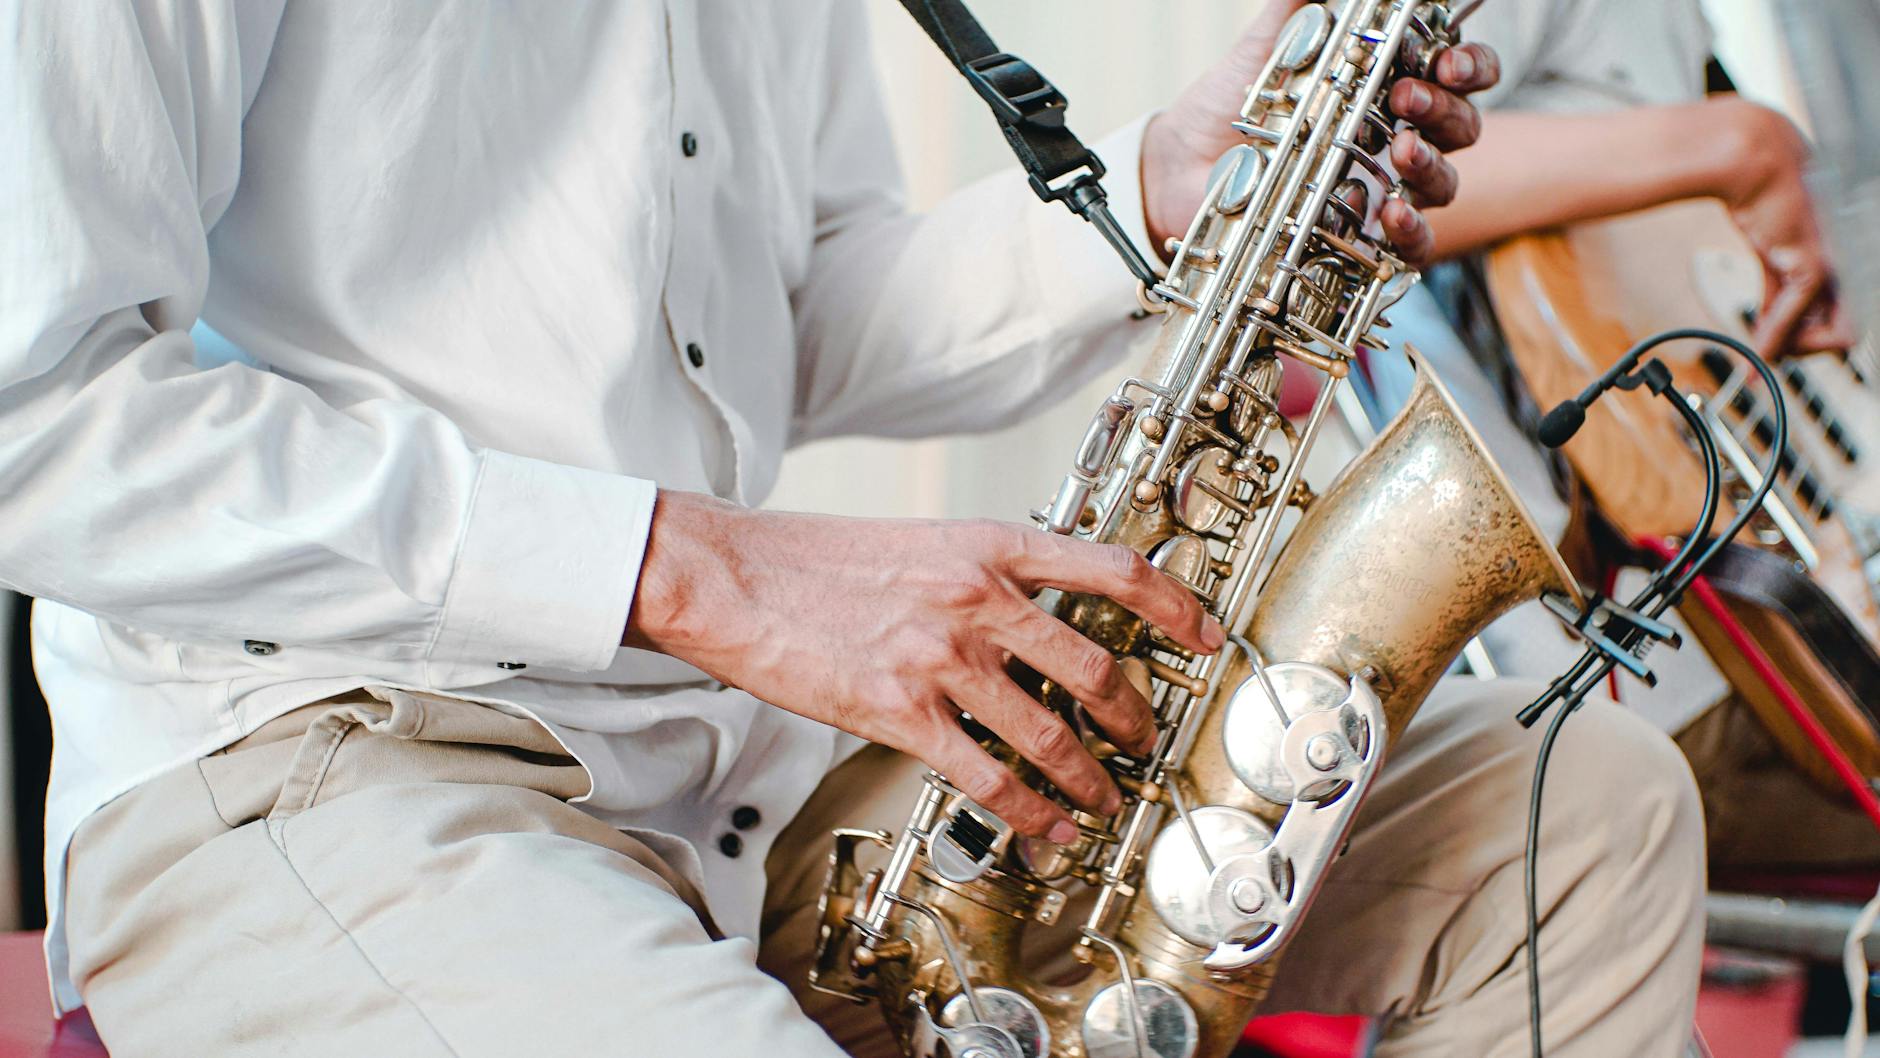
(504, 269)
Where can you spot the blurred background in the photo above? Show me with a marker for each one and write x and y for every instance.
(1114, 59)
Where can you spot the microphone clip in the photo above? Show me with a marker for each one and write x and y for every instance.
(1652, 374)
(1559, 425)
(1614, 630)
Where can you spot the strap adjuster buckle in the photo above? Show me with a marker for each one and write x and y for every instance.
(1016, 91)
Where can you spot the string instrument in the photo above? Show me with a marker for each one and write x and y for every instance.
(1803, 581)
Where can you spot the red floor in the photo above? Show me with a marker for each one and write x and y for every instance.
(26, 1026)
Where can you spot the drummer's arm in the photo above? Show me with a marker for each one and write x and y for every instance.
(1533, 170)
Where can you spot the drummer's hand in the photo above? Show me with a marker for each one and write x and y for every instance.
(1767, 194)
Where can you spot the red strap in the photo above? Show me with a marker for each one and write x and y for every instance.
(1785, 693)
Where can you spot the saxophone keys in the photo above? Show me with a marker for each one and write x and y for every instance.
(1204, 489)
(1177, 877)
(1173, 676)
(1302, 38)
(1009, 1017)
(887, 951)
(1140, 789)
(1185, 558)
(1235, 175)
(1168, 1026)
(1146, 495)
(1252, 735)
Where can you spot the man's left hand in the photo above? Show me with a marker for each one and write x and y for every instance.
(1181, 143)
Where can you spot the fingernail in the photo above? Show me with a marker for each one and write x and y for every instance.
(1420, 97)
(1462, 65)
(1212, 634)
(1112, 803)
(1425, 154)
(1063, 832)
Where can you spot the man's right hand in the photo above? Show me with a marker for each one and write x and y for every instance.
(1766, 190)
(890, 628)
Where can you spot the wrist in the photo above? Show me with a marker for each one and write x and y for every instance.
(685, 550)
(1751, 146)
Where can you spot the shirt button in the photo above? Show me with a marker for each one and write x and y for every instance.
(744, 817)
(731, 845)
(695, 354)
(259, 648)
(512, 666)
(688, 144)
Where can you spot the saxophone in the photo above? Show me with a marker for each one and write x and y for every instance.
(1182, 899)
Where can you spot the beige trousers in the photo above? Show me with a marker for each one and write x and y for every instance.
(405, 878)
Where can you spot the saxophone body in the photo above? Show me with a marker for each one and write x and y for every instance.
(1176, 907)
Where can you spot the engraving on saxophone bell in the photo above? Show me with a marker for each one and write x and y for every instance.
(1176, 876)
(1251, 734)
(1168, 1022)
(1003, 1009)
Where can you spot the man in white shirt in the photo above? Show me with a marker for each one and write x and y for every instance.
(538, 296)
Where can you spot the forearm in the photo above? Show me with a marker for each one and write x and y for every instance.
(1534, 170)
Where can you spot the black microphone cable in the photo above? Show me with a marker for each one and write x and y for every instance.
(1660, 592)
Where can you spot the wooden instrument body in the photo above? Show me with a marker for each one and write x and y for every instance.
(1570, 303)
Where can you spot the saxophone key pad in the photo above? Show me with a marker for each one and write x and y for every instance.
(1236, 171)
(1170, 1029)
(1177, 880)
(1204, 478)
(1184, 557)
(1302, 38)
(1252, 736)
(1006, 1010)
(965, 845)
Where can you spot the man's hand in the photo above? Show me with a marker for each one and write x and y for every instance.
(890, 628)
(1766, 192)
(1181, 143)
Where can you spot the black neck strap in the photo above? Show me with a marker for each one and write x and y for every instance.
(1030, 112)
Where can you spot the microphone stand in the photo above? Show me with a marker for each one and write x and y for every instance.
(1621, 635)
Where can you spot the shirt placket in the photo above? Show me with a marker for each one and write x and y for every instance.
(689, 267)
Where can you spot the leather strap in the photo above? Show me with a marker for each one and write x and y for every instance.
(1030, 112)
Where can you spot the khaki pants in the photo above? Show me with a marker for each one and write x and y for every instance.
(405, 878)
